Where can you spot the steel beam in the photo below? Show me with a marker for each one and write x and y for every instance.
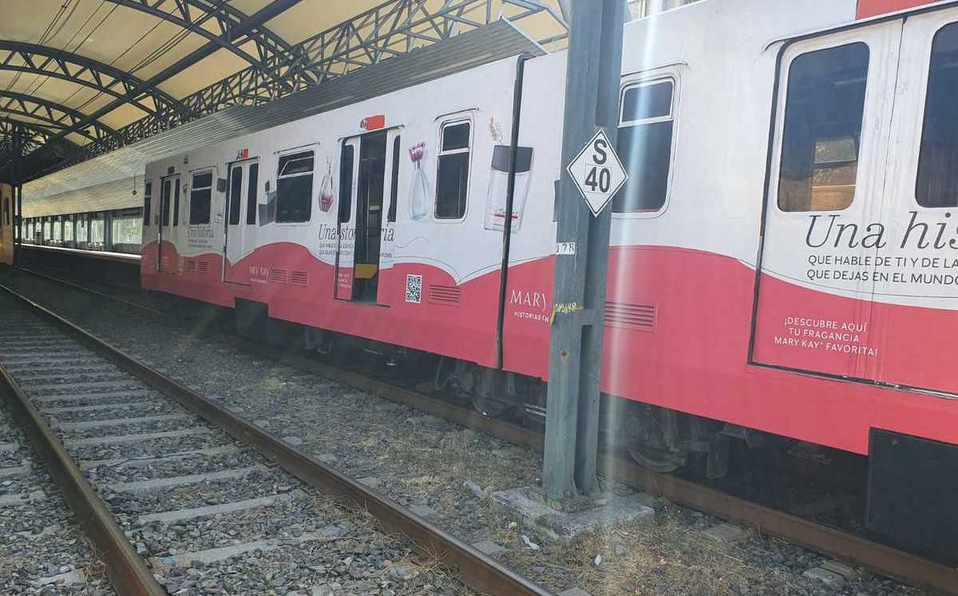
(391, 28)
(50, 62)
(55, 116)
(234, 34)
(575, 349)
(229, 33)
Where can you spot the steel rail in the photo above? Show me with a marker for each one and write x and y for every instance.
(832, 542)
(472, 567)
(128, 572)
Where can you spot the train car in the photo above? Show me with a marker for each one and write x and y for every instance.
(7, 231)
(783, 256)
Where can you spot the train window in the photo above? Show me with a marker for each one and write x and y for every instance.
(68, 228)
(201, 193)
(165, 203)
(176, 202)
(126, 229)
(824, 107)
(236, 194)
(147, 199)
(251, 193)
(97, 229)
(938, 158)
(394, 181)
(57, 229)
(294, 187)
(83, 230)
(644, 144)
(452, 177)
(345, 183)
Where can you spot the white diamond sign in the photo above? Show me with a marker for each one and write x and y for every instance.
(597, 172)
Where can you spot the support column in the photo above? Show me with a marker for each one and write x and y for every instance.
(17, 198)
(575, 351)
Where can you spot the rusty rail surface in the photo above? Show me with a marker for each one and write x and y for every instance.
(832, 542)
(127, 571)
(472, 567)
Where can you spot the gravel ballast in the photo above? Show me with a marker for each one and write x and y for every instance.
(448, 472)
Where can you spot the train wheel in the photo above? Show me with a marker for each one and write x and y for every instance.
(489, 407)
(657, 460)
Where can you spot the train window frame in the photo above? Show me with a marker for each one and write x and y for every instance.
(280, 166)
(785, 80)
(147, 201)
(347, 168)
(447, 122)
(926, 128)
(394, 180)
(194, 190)
(252, 190)
(234, 194)
(650, 79)
(178, 191)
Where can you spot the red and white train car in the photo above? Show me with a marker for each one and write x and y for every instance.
(784, 257)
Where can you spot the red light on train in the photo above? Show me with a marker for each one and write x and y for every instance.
(373, 122)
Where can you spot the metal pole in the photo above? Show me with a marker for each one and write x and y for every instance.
(17, 192)
(575, 355)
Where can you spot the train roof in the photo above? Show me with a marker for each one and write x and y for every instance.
(107, 182)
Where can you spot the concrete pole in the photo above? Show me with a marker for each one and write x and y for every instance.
(575, 359)
(17, 198)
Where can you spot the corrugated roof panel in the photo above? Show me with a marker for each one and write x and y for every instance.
(110, 177)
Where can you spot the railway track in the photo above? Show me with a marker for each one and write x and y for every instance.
(824, 539)
(192, 485)
(40, 542)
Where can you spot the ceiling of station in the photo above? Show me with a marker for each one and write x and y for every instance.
(89, 71)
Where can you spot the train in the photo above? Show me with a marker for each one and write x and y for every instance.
(7, 229)
(783, 257)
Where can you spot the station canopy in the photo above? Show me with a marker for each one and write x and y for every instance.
(82, 80)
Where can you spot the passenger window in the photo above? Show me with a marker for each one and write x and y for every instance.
(251, 194)
(201, 195)
(294, 187)
(147, 200)
(68, 228)
(345, 183)
(82, 229)
(236, 194)
(452, 178)
(176, 202)
(644, 144)
(824, 107)
(394, 181)
(938, 159)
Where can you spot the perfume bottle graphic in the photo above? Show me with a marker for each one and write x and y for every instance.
(498, 191)
(326, 188)
(418, 184)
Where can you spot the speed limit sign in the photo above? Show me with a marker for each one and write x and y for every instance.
(597, 172)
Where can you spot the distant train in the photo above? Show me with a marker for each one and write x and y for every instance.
(6, 224)
(784, 257)
(115, 230)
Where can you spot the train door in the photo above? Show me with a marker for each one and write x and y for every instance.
(369, 216)
(824, 198)
(345, 225)
(241, 206)
(917, 283)
(166, 259)
(374, 205)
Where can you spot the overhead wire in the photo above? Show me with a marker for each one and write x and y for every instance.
(66, 46)
(162, 49)
(43, 37)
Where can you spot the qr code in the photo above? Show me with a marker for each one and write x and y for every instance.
(414, 288)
